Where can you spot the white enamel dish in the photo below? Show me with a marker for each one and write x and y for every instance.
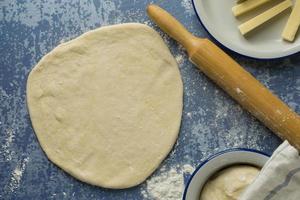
(264, 43)
(217, 162)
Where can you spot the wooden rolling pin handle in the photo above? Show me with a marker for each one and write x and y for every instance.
(173, 27)
(230, 76)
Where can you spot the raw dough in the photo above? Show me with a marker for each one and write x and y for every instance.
(106, 107)
(229, 183)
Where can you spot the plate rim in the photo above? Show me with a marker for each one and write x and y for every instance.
(223, 46)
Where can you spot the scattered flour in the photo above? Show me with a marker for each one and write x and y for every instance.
(32, 13)
(189, 114)
(148, 23)
(239, 91)
(165, 37)
(17, 174)
(7, 152)
(187, 5)
(168, 185)
(188, 169)
(179, 58)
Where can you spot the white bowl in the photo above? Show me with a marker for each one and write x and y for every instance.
(217, 162)
(265, 43)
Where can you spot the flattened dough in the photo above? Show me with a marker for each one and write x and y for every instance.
(106, 107)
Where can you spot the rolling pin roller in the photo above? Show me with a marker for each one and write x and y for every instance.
(230, 76)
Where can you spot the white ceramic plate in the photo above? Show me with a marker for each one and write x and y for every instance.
(263, 43)
(217, 162)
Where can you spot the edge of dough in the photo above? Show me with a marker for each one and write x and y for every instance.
(54, 52)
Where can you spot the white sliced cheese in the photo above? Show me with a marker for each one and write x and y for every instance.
(293, 23)
(240, 1)
(264, 17)
(247, 6)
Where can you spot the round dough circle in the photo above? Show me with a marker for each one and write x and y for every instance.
(106, 107)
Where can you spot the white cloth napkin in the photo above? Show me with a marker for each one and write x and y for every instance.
(279, 179)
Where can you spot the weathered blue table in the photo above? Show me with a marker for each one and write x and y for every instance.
(211, 120)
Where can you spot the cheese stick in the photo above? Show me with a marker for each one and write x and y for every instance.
(247, 6)
(293, 23)
(240, 1)
(264, 17)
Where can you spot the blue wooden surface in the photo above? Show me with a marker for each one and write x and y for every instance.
(211, 120)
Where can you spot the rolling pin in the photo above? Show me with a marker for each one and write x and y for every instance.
(232, 78)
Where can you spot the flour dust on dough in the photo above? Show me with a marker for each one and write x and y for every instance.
(106, 107)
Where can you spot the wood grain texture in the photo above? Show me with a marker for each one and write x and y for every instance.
(173, 28)
(236, 81)
(248, 91)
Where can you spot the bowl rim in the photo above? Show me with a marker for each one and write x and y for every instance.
(224, 47)
(202, 164)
